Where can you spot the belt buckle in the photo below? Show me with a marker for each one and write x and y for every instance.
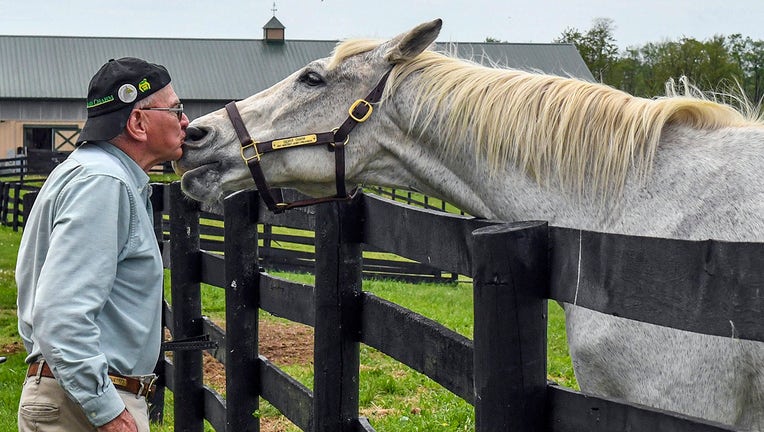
(147, 385)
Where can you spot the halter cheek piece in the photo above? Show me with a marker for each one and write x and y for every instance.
(251, 151)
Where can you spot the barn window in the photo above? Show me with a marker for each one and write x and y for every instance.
(60, 138)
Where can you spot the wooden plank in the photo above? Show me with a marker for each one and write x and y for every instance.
(404, 267)
(440, 353)
(213, 269)
(570, 411)
(218, 335)
(441, 239)
(169, 370)
(241, 313)
(287, 395)
(214, 409)
(337, 327)
(362, 425)
(510, 278)
(292, 254)
(709, 287)
(291, 300)
(289, 238)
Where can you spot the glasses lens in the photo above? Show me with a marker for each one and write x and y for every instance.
(179, 112)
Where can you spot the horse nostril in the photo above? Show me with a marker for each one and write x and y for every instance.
(195, 134)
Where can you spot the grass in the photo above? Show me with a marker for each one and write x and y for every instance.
(393, 396)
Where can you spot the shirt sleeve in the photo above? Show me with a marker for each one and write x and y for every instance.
(89, 231)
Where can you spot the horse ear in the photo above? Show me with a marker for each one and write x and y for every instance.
(408, 45)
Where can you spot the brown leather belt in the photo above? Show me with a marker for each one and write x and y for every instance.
(128, 384)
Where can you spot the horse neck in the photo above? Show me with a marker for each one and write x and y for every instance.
(460, 177)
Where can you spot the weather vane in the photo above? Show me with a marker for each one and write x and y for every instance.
(274, 9)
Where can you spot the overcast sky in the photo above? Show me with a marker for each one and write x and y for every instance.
(636, 21)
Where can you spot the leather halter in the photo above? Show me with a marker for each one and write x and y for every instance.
(251, 151)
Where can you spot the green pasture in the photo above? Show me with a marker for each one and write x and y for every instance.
(392, 396)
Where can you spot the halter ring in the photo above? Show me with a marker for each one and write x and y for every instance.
(347, 137)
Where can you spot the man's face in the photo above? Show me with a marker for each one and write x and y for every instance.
(165, 131)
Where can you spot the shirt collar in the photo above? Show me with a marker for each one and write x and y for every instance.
(139, 177)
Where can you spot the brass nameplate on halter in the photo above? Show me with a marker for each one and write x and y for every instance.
(294, 141)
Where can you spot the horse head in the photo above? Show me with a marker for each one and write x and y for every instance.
(313, 100)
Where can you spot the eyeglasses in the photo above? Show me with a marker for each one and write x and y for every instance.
(178, 110)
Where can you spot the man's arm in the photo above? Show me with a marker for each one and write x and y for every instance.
(74, 284)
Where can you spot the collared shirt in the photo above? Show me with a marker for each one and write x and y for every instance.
(89, 277)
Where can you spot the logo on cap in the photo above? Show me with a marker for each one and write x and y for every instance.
(127, 93)
(144, 85)
(100, 101)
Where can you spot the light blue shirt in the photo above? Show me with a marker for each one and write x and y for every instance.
(89, 277)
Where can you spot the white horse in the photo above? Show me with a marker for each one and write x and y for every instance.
(513, 145)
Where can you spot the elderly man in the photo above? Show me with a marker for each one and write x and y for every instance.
(89, 271)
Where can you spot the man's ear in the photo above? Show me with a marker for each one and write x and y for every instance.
(137, 125)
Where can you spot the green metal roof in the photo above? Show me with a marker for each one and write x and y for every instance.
(50, 67)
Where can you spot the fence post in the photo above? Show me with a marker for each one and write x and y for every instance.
(187, 310)
(510, 284)
(27, 201)
(337, 326)
(156, 404)
(242, 273)
(16, 215)
(4, 202)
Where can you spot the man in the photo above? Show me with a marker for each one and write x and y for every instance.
(89, 271)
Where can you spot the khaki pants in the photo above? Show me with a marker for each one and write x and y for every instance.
(44, 407)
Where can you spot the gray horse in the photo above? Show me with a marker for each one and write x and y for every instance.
(513, 145)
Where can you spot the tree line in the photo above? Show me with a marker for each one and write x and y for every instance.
(725, 64)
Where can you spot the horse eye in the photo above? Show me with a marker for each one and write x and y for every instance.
(312, 79)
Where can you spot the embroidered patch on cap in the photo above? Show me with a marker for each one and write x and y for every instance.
(144, 85)
(127, 93)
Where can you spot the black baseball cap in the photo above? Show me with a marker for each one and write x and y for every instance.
(113, 92)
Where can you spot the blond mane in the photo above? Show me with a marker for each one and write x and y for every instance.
(583, 135)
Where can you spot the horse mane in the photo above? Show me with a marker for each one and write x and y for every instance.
(583, 135)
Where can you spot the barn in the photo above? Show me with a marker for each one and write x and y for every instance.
(43, 79)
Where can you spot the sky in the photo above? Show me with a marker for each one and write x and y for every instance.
(636, 22)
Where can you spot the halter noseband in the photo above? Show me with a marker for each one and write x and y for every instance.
(251, 151)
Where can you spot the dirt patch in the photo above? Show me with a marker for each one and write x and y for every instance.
(11, 348)
(283, 344)
(286, 343)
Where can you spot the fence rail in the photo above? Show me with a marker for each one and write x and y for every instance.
(502, 371)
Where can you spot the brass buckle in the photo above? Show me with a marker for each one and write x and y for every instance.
(146, 386)
(253, 144)
(355, 105)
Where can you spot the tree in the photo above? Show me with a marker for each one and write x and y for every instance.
(597, 46)
(749, 54)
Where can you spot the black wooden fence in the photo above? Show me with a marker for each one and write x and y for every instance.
(22, 174)
(294, 251)
(26, 173)
(501, 371)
